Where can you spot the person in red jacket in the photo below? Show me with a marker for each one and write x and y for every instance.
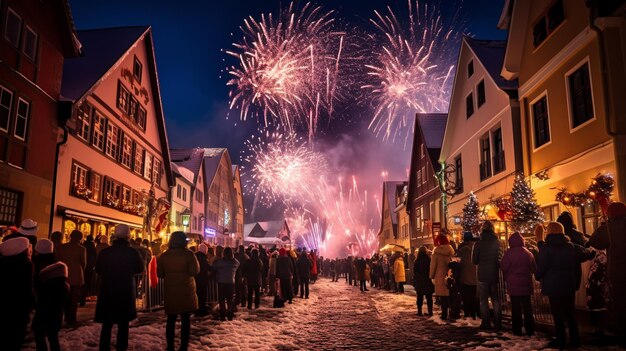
(518, 266)
(314, 268)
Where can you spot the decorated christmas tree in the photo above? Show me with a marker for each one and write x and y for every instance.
(471, 212)
(525, 213)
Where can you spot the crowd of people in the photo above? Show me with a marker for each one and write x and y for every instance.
(52, 279)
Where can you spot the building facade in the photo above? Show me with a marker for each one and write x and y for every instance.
(114, 167)
(220, 206)
(181, 199)
(238, 218)
(35, 39)
(394, 228)
(424, 195)
(481, 146)
(190, 163)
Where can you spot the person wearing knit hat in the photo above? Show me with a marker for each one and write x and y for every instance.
(468, 275)
(122, 231)
(285, 272)
(117, 267)
(442, 255)
(610, 237)
(17, 298)
(52, 291)
(557, 263)
(74, 255)
(202, 280)
(486, 255)
(43, 257)
(28, 229)
(44, 246)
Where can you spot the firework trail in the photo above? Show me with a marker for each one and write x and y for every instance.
(281, 167)
(413, 68)
(288, 67)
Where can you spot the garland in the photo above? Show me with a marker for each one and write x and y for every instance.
(81, 191)
(600, 190)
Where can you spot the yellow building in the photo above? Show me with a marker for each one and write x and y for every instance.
(395, 226)
(555, 53)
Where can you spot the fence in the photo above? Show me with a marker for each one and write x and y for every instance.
(151, 298)
(540, 303)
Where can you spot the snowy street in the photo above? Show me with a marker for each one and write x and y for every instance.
(335, 317)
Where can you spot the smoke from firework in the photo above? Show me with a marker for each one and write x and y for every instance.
(413, 66)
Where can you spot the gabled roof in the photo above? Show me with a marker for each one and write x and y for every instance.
(389, 195)
(269, 229)
(183, 172)
(212, 158)
(491, 53)
(190, 159)
(101, 49)
(432, 126)
(71, 44)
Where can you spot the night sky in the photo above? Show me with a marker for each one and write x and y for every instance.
(189, 37)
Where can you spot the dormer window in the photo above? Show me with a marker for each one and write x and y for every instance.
(548, 23)
(137, 67)
(13, 28)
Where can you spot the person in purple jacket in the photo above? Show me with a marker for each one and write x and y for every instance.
(518, 266)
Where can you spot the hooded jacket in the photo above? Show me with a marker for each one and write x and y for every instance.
(518, 266)
(178, 267)
(253, 269)
(468, 269)
(442, 255)
(52, 292)
(399, 275)
(487, 254)
(284, 267)
(303, 266)
(421, 275)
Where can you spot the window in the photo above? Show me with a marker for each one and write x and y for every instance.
(84, 122)
(79, 176)
(10, 205)
(141, 117)
(112, 140)
(126, 195)
(458, 174)
(178, 191)
(132, 108)
(30, 44)
(469, 105)
(127, 151)
(423, 174)
(6, 98)
(540, 121)
(139, 157)
(581, 104)
(418, 218)
(94, 185)
(480, 92)
(422, 151)
(498, 151)
(199, 195)
(548, 23)
(21, 122)
(470, 68)
(184, 194)
(419, 177)
(551, 212)
(13, 28)
(147, 171)
(99, 125)
(156, 174)
(137, 69)
(122, 97)
(111, 193)
(485, 157)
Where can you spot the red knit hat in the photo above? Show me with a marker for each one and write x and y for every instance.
(282, 251)
(616, 210)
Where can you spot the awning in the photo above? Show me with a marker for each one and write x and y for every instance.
(393, 247)
(99, 218)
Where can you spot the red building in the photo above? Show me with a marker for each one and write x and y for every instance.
(35, 39)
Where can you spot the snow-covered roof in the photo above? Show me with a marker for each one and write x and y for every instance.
(268, 229)
(101, 49)
(490, 53)
(189, 159)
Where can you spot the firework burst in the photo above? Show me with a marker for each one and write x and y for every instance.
(288, 67)
(412, 68)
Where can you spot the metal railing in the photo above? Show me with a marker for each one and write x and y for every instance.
(540, 303)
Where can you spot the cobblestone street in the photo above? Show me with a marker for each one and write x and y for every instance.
(336, 317)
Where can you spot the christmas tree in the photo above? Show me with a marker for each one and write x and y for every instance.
(525, 213)
(471, 211)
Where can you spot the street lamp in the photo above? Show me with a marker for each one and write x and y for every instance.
(185, 216)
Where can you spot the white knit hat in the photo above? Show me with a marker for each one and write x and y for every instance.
(14, 246)
(203, 248)
(28, 227)
(122, 231)
(44, 246)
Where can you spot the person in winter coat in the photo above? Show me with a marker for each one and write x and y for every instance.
(253, 273)
(90, 249)
(399, 274)
(518, 266)
(178, 267)
(116, 267)
(102, 244)
(52, 290)
(272, 273)
(42, 258)
(575, 237)
(74, 255)
(468, 276)
(285, 272)
(266, 269)
(16, 296)
(202, 279)
(28, 229)
(314, 266)
(361, 265)
(486, 254)
(225, 270)
(240, 284)
(557, 263)
(57, 239)
(610, 237)
(424, 287)
(295, 282)
(347, 268)
(303, 266)
(442, 255)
